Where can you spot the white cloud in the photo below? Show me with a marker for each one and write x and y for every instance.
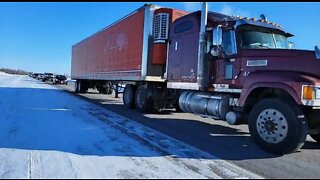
(226, 8)
(192, 6)
(230, 10)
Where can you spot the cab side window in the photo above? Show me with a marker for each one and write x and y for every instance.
(227, 42)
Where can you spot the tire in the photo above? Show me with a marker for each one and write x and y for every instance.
(265, 120)
(105, 88)
(77, 86)
(143, 101)
(109, 88)
(101, 90)
(128, 96)
(316, 137)
(82, 87)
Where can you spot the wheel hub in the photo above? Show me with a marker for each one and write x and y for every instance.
(272, 126)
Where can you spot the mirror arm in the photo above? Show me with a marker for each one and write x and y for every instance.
(223, 54)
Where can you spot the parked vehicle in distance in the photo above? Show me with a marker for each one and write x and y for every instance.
(238, 69)
(47, 77)
(59, 79)
(35, 75)
(40, 77)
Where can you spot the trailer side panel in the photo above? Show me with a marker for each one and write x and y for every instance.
(114, 51)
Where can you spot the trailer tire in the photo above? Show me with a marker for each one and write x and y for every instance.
(82, 87)
(128, 96)
(277, 126)
(109, 88)
(85, 87)
(105, 88)
(143, 101)
(101, 90)
(77, 88)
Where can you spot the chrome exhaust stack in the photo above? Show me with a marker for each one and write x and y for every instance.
(317, 52)
(201, 73)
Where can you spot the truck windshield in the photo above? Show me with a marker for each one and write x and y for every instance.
(262, 40)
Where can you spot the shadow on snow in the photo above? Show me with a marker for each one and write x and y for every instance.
(49, 119)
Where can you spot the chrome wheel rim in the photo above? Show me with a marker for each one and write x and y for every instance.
(272, 126)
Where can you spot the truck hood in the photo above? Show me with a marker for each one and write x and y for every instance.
(301, 61)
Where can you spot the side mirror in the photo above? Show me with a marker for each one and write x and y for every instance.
(292, 45)
(217, 36)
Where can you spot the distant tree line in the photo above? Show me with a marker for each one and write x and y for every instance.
(14, 71)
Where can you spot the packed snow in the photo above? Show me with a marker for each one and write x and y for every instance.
(48, 133)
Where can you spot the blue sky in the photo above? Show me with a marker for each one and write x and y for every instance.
(38, 36)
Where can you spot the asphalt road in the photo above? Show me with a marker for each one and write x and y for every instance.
(231, 143)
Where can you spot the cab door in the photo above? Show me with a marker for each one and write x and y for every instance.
(228, 59)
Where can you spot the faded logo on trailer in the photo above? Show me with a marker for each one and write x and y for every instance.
(120, 42)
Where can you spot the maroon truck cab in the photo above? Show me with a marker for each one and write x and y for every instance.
(252, 75)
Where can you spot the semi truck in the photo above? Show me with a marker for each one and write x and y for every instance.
(238, 69)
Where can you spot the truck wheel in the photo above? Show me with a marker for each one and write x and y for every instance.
(278, 127)
(101, 90)
(108, 88)
(82, 87)
(128, 96)
(77, 88)
(143, 102)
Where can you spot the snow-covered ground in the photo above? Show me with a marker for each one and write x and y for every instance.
(48, 133)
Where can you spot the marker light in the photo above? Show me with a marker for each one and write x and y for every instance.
(308, 93)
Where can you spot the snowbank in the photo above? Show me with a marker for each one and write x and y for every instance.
(4, 74)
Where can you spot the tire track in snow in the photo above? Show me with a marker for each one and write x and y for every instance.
(165, 145)
(188, 162)
(30, 165)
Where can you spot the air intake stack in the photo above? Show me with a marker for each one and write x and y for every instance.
(201, 75)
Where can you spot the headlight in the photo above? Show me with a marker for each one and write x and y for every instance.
(215, 51)
(310, 93)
